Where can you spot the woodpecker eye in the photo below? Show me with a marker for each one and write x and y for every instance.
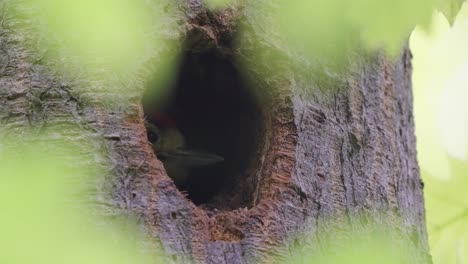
(152, 137)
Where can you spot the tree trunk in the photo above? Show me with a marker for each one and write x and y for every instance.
(314, 152)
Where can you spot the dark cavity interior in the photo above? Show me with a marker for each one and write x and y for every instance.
(216, 112)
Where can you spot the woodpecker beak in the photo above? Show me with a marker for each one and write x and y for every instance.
(190, 158)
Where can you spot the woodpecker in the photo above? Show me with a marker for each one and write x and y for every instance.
(169, 146)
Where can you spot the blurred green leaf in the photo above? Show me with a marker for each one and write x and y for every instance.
(439, 77)
(329, 33)
(215, 4)
(329, 26)
(364, 245)
(441, 117)
(450, 8)
(44, 217)
(109, 44)
(117, 32)
(447, 214)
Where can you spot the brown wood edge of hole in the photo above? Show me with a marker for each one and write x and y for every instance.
(275, 179)
(276, 176)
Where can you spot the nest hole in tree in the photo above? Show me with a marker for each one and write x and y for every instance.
(216, 111)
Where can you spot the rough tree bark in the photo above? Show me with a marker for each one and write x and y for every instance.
(325, 157)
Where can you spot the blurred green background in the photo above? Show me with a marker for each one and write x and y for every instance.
(440, 83)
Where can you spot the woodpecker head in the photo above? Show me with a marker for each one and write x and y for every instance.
(169, 144)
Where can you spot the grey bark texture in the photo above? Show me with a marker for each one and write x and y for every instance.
(335, 154)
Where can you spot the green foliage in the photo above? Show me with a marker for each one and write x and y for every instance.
(110, 44)
(329, 29)
(447, 214)
(216, 4)
(114, 31)
(439, 78)
(369, 244)
(42, 219)
(441, 116)
(450, 8)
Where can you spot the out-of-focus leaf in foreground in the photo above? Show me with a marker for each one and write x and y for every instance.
(357, 247)
(115, 31)
(447, 214)
(450, 8)
(441, 115)
(110, 42)
(330, 29)
(439, 78)
(44, 219)
(214, 4)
